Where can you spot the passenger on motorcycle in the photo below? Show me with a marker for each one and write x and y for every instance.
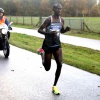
(3, 19)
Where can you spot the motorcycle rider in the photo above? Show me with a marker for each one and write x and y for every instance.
(3, 19)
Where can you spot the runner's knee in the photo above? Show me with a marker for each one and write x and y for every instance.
(47, 67)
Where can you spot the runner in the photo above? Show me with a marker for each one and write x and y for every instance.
(53, 25)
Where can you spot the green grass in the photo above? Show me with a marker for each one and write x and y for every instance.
(80, 57)
(24, 26)
(93, 24)
(83, 58)
(84, 34)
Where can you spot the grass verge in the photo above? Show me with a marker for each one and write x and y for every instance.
(84, 34)
(80, 57)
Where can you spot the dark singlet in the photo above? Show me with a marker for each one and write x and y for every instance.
(50, 40)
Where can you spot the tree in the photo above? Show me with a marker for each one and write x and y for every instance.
(90, 4)
(99, 8)
(37, 4)
(74, 7)
(43, 7)
(66, 8)
(10, 7)
(1, 4)
(51, 2)
(95, 10)
(84, 7)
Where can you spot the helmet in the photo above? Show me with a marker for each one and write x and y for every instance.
(1, 10)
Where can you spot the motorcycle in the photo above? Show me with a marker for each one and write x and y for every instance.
(4, 43)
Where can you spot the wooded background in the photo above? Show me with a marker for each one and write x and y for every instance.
(73, 8)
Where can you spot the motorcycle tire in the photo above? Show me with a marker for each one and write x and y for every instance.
(6, 50)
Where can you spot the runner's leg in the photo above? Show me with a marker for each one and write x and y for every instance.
(58, 58)
(47, 61)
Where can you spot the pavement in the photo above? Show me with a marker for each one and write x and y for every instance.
(22, 77)
(78, 41)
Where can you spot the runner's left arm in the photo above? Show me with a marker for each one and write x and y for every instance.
(63, 30)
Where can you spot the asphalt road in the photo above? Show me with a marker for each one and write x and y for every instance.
(22, 77)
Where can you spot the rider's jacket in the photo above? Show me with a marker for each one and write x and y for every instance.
(2, 20)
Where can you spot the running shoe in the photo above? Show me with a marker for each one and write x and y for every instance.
(55, 90)
(40, 51)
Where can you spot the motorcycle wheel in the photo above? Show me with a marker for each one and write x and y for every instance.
(6, 50)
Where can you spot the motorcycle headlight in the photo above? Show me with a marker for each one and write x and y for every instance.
(4, 31)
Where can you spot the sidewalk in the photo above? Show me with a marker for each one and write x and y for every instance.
(78, 41)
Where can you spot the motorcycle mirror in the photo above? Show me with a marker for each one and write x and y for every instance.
(11, 23)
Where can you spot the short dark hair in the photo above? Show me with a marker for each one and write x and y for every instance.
(56, 5)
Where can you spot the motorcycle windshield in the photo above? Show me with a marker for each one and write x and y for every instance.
(3, 26)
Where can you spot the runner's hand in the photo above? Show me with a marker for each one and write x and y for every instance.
(68, 28)
(53, 32)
